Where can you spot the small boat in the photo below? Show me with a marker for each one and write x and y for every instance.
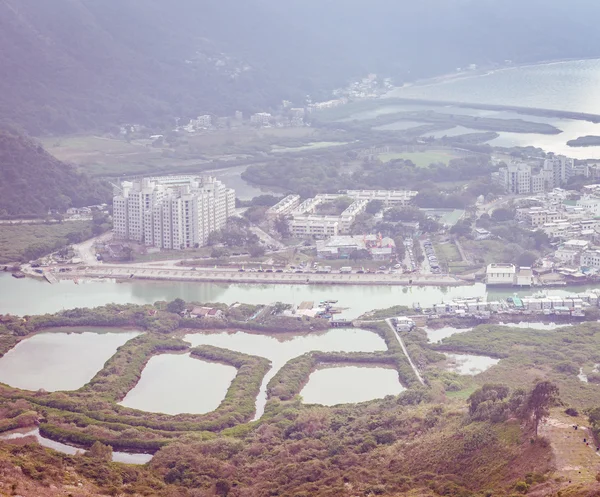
(18, 275)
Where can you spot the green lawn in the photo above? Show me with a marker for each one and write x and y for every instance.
(16, 239)
(422, 159)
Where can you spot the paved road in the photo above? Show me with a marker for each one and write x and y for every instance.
(85, 250)
(412, 364)
(266, 238)
(234, 276)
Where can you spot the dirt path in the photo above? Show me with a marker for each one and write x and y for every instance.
(575, 460)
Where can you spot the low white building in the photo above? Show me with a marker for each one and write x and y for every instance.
(590, 203)
(524, 277)
(284, 206)
(501, 274)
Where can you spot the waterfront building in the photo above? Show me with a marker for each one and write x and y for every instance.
(591, 259)
(501, 274)
(171, 212)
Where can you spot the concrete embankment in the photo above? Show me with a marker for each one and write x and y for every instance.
(229, 276)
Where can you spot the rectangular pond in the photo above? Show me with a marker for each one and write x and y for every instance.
(61, 359)
(180, 384)
(330, 386)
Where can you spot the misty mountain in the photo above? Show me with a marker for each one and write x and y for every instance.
(32, 181)
(73, 65)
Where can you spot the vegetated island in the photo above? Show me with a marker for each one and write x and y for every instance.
(585, 141)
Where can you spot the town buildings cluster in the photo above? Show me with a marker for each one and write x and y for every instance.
(307, 222)
(171, 212)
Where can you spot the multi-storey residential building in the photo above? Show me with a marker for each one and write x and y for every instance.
(520, 178)
(171, 212)
(559, 169)
(516, 178)
(538, 216)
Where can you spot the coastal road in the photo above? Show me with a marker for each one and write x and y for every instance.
(267, 239)
(234, 276)
(412, 364)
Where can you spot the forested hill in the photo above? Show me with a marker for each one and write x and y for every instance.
(32, 181)
(74, 65)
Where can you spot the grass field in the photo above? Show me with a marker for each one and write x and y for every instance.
(104, 156)
(15, 239)
(310, 146)
(422, 159)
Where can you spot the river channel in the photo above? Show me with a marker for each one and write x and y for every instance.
(28, 296)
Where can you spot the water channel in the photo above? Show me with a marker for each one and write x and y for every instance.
(65, 359)
(281, 348)
(28, 296)
(350, 384)
(124, 457)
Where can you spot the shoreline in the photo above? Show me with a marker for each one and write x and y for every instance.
(483, 71)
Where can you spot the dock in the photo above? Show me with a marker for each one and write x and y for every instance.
(50, 278)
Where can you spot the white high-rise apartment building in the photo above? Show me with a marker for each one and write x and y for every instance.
(559, 168)
(171, 212)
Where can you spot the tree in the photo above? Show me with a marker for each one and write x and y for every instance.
(100, 451)
(543, 396)
(176, 306)
(219, 252)
(282, 226)
(487, 393)
(265, 200)
(503, 214)
(255, 214)
(360, 254)
(461, 228)
(222, 488)
(541, 239)
(400, 248)
(526, 259)
(374, 206)
(256, 251)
